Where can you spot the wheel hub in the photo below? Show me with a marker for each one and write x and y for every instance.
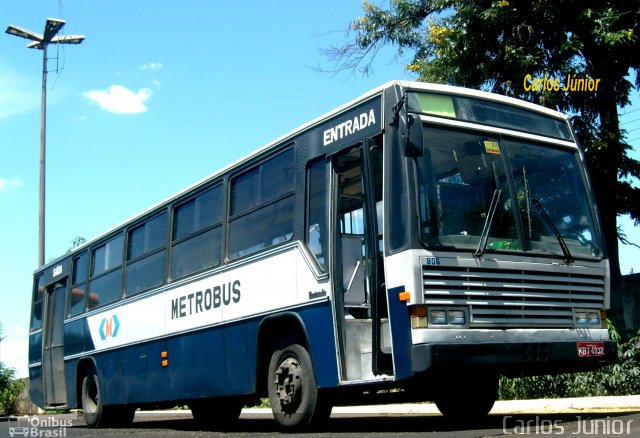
(289, 384)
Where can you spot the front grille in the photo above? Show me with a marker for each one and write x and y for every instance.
(514, 294)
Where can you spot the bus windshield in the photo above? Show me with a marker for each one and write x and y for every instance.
(540, 201)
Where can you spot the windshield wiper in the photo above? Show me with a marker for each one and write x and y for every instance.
(568, 258)
(484, 237)
(527, 198)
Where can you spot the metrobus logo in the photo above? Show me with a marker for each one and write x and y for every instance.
(109, 327)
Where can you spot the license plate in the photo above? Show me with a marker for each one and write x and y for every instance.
(590, 349)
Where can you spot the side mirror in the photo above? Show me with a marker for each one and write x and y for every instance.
(414, 138)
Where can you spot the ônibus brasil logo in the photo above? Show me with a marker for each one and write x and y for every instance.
(109, 327)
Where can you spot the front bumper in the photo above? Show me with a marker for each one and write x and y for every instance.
(517, 358)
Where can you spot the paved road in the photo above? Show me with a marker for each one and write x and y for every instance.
(569, 418)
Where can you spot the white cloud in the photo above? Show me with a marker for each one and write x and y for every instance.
(151, 66)
(8, 184)
(120, 100)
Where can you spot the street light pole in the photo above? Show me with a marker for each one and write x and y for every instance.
(41, 42)
(43, 159)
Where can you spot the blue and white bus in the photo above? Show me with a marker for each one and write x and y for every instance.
(413, 244)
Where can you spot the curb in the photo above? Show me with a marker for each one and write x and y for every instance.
(629, 403)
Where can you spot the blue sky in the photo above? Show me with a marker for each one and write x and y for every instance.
(159, 95)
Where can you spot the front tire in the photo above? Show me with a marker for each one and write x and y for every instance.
(216, 413)
(466, 396)
(94, 412)
(293, 392)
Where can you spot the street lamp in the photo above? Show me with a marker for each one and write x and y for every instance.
(51, 28)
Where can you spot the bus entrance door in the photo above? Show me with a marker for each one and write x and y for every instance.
(357, 268)
(53, 348)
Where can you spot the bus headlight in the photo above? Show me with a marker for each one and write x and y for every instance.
(580, 318)
(447, 317)
(456, 317)
(438, 317)
(587, 317)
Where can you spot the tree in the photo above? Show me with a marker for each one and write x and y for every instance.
(76, 242)
(494, 45)
(10, 390)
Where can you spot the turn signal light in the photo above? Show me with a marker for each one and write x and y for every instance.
(418, 316)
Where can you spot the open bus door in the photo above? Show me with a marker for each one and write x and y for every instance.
(358, 270)
(53, 345)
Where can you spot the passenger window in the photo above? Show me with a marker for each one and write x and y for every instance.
(264, 183)
(38, 302)
(197, 214)
(148, 237)
(107, 256)
(262, 228)
(316, 237)
(146, 255)
(276, 176)
(262, 206)
(80, 271)
(197, 233)
(77, 292)
(245, 192)
(105, 285)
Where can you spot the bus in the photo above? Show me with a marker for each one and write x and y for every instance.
(416, 243)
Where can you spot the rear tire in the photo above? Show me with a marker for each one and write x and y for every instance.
(293, 392)
(94, 412)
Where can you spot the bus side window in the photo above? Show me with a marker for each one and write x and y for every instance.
(196, 238)
(316, 237)
(146, 255)
(261, 212)
(106, 273)
(77, 293)
(38, 302)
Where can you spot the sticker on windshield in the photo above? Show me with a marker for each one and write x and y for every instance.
(492, 147)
